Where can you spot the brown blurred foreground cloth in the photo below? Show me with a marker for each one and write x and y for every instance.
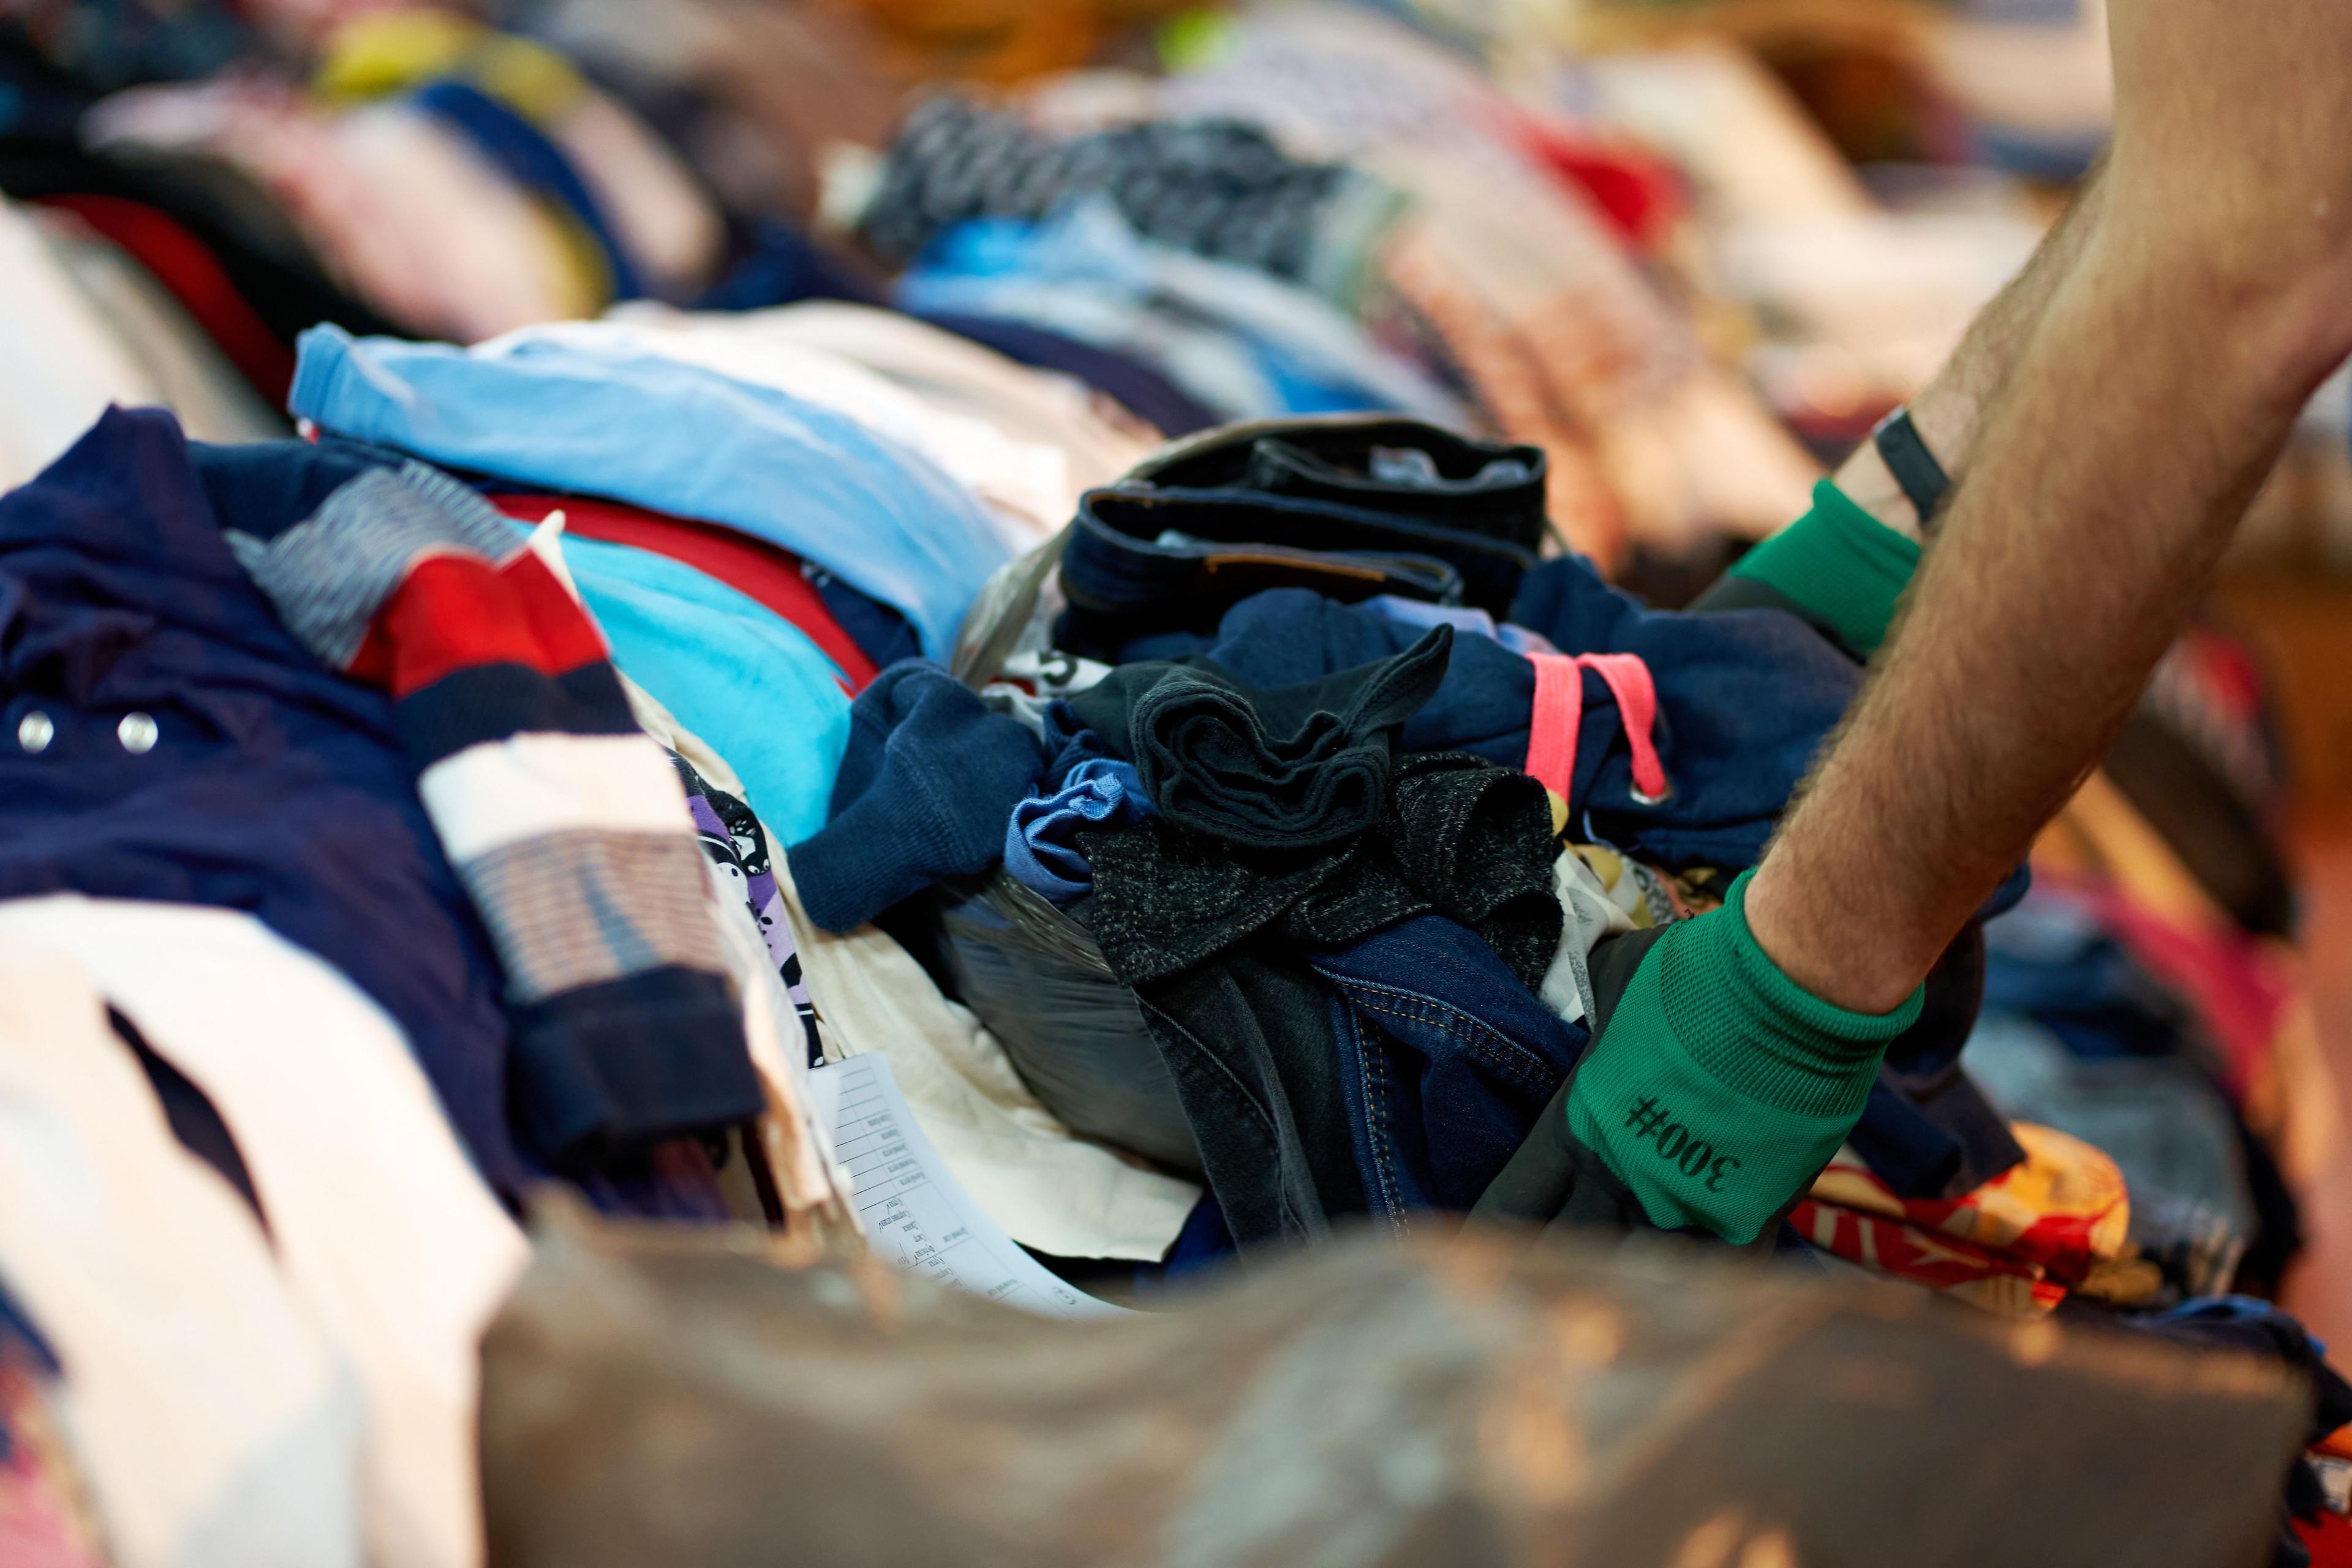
(1463, 1401)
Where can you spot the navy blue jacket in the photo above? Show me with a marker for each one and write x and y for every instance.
(272, 785)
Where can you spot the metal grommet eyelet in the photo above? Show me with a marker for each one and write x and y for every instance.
(1641, 799)
(138, 733)
(35, 731)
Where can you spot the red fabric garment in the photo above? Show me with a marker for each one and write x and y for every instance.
(2328, 1538)
(1641, 194)
(458, 612)
(2052, 1222)
(41, 1526)
(2008, 1286)
(563, 821)
(193, 276)
(760, 572)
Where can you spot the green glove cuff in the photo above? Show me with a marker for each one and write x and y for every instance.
(1721, 1087)
(1841, 563)
(1766, 1037)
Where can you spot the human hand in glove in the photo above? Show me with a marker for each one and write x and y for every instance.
(1720, 1086)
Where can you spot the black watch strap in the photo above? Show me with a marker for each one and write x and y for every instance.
(1914, 467)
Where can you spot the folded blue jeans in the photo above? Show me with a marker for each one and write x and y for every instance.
(1143, 561)
(1445, 1061)
(1404, 468)
(1395, 1076)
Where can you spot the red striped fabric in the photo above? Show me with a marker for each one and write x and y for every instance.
(457, 612)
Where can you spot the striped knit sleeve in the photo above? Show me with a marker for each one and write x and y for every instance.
(565, 822)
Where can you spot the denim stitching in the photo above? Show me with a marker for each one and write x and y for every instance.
(1468, 1031)
(1512, 1057)
(1373, 1068)
(1248, 1098)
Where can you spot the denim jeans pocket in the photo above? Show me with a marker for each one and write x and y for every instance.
(1438, 1097)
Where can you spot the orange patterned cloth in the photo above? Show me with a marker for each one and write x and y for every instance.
(1939, 1262)
(2016, 1245)
(1004, 40)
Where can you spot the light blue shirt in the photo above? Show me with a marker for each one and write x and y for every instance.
(674, 437)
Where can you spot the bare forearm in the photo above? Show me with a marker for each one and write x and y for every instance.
(1949, 411)
(1845, 565)
(2146, 408)
(2212, 290)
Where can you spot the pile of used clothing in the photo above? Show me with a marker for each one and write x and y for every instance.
(1168, 241)
(1089, 774)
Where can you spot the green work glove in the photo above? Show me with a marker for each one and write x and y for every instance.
(1721, 1087)
(1837, 564)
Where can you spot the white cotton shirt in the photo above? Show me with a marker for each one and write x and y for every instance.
(60, 364)
(382, 1229)
(214, 1421)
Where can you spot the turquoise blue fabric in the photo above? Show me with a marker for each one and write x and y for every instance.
(676, 439)
(741, 676)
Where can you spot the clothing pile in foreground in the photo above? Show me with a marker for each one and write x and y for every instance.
(784, 1407)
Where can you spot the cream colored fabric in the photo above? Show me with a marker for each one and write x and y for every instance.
(1049, 1188)
(1101, 440)
(189, 373)
(378, 1226)
(819, 1218)
(214, 1423)
(1591, 914)
(59, 364)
